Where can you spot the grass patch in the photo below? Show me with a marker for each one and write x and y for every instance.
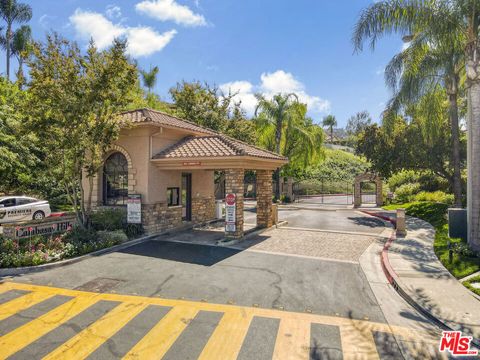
(463, 262)
(461, 265)
(468, 284)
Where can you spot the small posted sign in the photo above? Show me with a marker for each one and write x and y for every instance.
(230, 212)
(134, 209)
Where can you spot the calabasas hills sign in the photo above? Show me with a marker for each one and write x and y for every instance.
(47, 227)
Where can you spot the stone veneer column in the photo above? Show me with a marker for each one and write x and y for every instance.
(234, 179)
(264, 198)
(357, 194)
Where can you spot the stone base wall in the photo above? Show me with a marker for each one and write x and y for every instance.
(159, 217)
(203, 209)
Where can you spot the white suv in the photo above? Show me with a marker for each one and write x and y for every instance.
(22, 208)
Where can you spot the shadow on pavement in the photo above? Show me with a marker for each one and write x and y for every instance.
(186, 253)
(367, 221)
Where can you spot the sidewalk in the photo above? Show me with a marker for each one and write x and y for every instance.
(421, 278)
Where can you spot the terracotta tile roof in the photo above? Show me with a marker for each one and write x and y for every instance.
(213, 146)
(158, 117)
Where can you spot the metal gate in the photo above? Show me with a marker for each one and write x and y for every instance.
(326, 192)
(368, 192)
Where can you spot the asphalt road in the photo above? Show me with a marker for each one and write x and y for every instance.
(338, 293)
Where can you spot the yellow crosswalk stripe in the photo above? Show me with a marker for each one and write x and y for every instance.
(227, 339)
(28, 333)
(4, 289)
(357, 343)
(157, 341)
(88, 340)
(293, 340)
(21, 303)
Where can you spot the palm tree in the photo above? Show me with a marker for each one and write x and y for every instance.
(150, 78)
(330, 122)
(274, 114)
(12, 12)
(453, 21)
(419, 70)
(302, 142)
(20, 47)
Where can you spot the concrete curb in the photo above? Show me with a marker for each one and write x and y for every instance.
(397, 284)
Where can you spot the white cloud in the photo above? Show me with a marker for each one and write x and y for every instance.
(271, 84)
(113, 12)
(169, 10)
(142, 41)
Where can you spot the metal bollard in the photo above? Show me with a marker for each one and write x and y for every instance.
(401, 225)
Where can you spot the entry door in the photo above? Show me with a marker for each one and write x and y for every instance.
(187, 197)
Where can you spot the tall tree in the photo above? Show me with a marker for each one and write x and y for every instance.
(303, 140)
(149, 78)
(452, 21)
(202, 104)
(271, 117)
(21, 44)
(74, 102)
(330, 122)
(419, 70)
(18, 153)
(239, 127)
(12, 12)
(358, 122)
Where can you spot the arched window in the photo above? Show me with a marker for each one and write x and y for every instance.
(115, 180)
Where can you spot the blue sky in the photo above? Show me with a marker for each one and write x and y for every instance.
(250, 46)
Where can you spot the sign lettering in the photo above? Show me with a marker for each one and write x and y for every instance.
(230, 212)
(134, 209)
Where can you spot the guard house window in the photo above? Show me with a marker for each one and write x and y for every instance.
(115, 180)
(173, 196)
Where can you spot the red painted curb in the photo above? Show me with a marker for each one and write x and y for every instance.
(390, 274)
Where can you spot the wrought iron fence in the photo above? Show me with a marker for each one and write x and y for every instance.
(324, 191)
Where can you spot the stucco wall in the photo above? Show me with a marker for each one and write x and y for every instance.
(139, 144)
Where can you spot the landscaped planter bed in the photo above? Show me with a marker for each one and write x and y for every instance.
(25, 247)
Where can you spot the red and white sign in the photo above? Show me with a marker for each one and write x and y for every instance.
(456, 344)
(230, 212)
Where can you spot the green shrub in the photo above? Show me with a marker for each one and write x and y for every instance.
(285, 199)
(427, 180)
(406, 192)
(436, 196)
(109, 219)
(115, 237)
(133, 230)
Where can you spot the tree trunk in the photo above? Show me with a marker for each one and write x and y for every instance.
(331, 134)
(8, 40)
(457, 177)
(473, 156)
